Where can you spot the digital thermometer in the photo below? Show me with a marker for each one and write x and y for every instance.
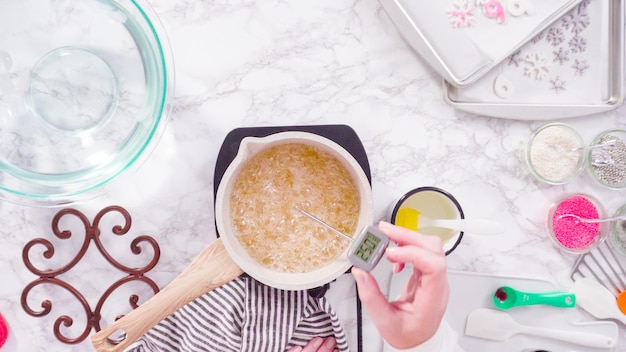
(367, 247)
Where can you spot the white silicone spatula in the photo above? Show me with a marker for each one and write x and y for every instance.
(497, 325)
(596, 299)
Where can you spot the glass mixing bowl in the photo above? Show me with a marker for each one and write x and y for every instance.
(84, 86)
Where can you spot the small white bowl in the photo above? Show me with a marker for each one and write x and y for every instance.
(439, 202)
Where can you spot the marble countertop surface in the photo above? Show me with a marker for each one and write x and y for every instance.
(246, 63)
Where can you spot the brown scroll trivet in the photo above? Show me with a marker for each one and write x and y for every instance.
(51, 276)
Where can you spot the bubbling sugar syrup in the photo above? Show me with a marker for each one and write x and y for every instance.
(291, 175)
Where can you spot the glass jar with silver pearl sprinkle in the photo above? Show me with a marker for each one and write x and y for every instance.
(607, 164)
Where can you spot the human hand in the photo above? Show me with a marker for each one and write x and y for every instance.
(415, 316)
(317, 344)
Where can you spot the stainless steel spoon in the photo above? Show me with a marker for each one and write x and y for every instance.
(601, 158)
(610, 144)
(581, 219)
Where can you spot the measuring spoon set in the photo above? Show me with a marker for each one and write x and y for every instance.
(498, 325)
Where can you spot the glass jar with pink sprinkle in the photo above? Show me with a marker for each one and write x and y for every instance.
(568, 228)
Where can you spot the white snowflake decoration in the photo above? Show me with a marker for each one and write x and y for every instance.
(555, 36)
(557, 58)
(577, 19)
(536, 66)
(538, 37)
(516, 59)
(580, 66)
(561, 56)
(577, 44)
(461, 14)
(557, 85)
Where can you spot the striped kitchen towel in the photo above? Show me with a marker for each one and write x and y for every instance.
(245, 315)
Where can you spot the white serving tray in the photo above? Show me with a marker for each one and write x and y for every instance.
(463, 54)
(469, 291)
(586, 78)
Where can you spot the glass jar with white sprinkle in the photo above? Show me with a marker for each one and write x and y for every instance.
(552, 154)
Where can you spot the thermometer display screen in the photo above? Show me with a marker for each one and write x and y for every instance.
(367, 247)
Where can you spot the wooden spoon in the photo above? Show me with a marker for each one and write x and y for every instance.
(212, 268)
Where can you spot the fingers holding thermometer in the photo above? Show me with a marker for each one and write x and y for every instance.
(415, 316)
(424, 249)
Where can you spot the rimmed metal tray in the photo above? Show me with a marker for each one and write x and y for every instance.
(463, 39)
(573, 68)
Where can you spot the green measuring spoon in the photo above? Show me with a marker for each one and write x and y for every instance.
(506, 297)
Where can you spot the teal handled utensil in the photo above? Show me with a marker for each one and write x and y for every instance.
(507, 297)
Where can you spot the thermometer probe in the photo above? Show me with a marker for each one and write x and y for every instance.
(367, 247)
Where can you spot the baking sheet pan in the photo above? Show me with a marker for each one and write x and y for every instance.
(573, 68)
(462, 40)
(469, 291)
